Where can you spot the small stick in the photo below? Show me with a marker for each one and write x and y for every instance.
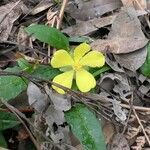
(136, 107)
(139, 121)
(61, 13)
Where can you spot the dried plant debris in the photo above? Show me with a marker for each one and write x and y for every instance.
(9, 13)
(110, 60)
(88, 27)
(144, 88)
(133, 60)
(119, 143)
(56, 116)
(85, 10)
(60, 102)
(22, 39)
(119, 84)
(36, 98)
(125, 35)
(43, 5)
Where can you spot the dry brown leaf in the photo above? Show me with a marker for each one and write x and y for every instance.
(125, 36)
(43, 5)
(137, 4)
(8, 15)
(119, 143)
(89, 9)
(87, 27)
(133, 60)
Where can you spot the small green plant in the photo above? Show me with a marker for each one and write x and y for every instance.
(65, 66)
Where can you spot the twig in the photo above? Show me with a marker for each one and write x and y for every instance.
(136, 107)
(61, 13)
(28, 110)
(139, 121)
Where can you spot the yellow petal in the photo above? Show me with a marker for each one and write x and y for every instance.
(85, 80)
(61, 58)
(80, 51)
(93, 59)
(64, 79)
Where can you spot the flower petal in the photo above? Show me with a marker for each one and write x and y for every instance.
(80, 51)
(85, 80)
(64, 79)
(61, 58)
(93, 59)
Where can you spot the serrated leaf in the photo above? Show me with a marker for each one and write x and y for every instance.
(86, 127)
(8, 120)
(45, 72)
(11, 86)
(145, 69)
(3, 142)
(49, 35)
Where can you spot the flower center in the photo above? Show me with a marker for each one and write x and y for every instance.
(76, 66)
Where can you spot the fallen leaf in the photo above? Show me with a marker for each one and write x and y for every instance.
(38, 100)
(43, 5)
(86, 10)
(110, 60)
(60, 102)
(54, 116)
(87, 27)
(125, 35)
(120, 114)
(133, 60)
(7, 18)
(119, 143)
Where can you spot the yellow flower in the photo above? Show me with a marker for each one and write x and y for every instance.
(77, 67)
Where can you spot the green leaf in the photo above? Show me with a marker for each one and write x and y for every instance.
(45, 72)
(7, 120)
(80, 39)
(145, 69)
(11, 86)
(49, 35)
(25, 65)
(86, 127)
(3, 142)
(98, 71)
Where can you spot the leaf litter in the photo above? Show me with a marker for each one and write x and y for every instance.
(117, 28)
